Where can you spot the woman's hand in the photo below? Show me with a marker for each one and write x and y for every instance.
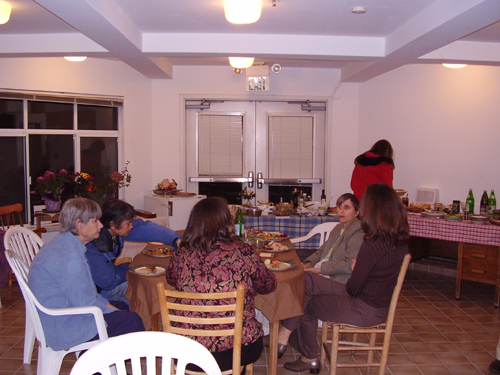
(307, 265)
(313, 270)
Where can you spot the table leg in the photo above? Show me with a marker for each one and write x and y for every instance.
(273, 347)
(458, 284)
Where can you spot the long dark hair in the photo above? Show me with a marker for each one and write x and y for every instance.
(383, 215)
(382, 148)
(209, 221)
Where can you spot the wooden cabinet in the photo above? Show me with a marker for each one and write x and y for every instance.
(479, 263)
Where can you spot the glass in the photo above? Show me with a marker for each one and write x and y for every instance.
(91, 117)
(50, 115)
(11, 114)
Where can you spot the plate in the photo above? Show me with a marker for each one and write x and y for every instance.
(183, 194)
(165, 192)
(159, 252)
(271, 236)
(280, 265)
(271, 250)
(146, 270)
(433, 215)
(453, 217)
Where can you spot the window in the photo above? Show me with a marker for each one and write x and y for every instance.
(47, 131)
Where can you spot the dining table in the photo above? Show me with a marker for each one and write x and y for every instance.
(285, 302)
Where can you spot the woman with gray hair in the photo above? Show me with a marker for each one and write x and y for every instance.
(60, 277)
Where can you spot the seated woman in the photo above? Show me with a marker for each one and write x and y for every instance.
(118, 219)
(60, 277)
(211, 259)
(364, 300)
(334, 258)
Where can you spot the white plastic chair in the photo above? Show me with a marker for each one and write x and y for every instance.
(322, 229)
(49, 360)
(26, 244)
(108, 357)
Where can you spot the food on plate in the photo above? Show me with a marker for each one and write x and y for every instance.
(418, 207)
(167, 185)
(276, 264)
(149, 270)
(162, 251)
(275, 246)
(271, 235)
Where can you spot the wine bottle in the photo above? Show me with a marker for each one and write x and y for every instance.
(492, 202)
(295, 198)
(239, 224)
(469, 202)
(483, 207)
(323, 196)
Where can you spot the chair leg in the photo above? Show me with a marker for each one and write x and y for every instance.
(373, 337)
(49, 361)
(324, 342)
(335, 350)
(29, 340)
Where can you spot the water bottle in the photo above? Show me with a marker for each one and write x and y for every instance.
(469, 202)
(239, 224)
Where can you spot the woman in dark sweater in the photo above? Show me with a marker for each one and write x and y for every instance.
(364, 300)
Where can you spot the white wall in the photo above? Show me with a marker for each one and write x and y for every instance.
(443, 125)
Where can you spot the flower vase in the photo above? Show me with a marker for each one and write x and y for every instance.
(52, 205)
(247, 202)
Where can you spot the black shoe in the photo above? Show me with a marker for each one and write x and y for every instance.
(281, 347)
(299, 366)
(494, 367)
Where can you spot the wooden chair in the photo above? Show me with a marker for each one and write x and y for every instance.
(338, 329)
(26, 244)
(169, 307)
(110, 356)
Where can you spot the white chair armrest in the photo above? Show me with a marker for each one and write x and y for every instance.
(94, 310)
(303, 238)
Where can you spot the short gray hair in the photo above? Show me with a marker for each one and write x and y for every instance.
(78, 208)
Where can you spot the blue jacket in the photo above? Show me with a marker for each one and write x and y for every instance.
(104, 272)
(60, 277)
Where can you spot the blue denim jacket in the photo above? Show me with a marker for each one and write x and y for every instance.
(60, 277)
(106, 275)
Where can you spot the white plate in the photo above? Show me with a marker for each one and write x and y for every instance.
(145, 271)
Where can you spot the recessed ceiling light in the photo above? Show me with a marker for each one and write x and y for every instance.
(75, 58)
(359, 10)
(454, 66)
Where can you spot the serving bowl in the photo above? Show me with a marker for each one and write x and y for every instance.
(478, 219)
(253, 211)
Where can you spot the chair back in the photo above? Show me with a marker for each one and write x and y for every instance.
(322, 229)
(11, 215)
(397, 291)
(227, 312)
(24, 242)
(21, 271)
(108, 357)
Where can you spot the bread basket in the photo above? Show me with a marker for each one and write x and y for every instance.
(283, 209)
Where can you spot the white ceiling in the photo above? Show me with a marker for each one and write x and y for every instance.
(153, 36)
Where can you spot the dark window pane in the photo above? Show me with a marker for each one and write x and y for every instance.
(99, 156)
(13, 181)
(11, 114)
(97, 118)
(50, 152)
(48, 115)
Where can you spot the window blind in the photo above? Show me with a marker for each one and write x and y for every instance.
(220, 145)
(63, 98)
(290, 146)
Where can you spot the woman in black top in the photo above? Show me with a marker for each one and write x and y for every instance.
(364, 300)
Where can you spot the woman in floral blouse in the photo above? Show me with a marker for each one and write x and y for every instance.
(211, 259)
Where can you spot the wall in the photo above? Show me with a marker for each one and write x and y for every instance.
(442, 123)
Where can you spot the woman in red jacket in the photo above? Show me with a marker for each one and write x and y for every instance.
(373, 166)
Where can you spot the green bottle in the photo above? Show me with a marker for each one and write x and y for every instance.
(239, 224)
(470, 201)
(483, 207)
(492, 202)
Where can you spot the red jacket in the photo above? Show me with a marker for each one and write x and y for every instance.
(370, 170)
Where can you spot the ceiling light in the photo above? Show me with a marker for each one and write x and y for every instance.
(359, 10)
(237, 71)
(242, 11)
(276, 68)
(241, 62)
(455, 66)
(75, 58)
(5, 10)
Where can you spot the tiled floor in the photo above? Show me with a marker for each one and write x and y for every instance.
(433, 334)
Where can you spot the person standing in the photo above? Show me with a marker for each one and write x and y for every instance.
(375, 165)
(60, 277)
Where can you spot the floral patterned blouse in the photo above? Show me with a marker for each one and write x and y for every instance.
(220, 270)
